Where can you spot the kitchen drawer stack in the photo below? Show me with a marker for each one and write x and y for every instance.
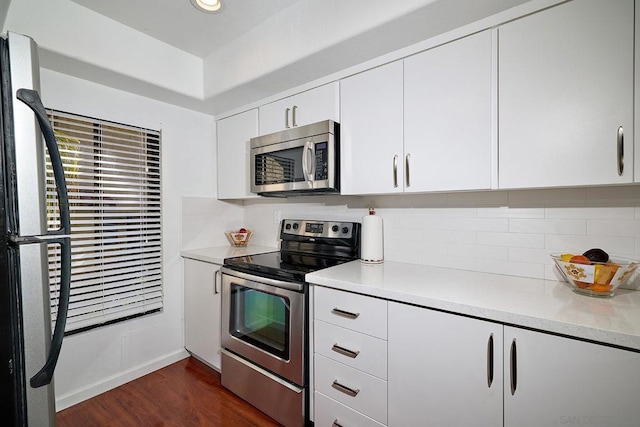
(350, 348)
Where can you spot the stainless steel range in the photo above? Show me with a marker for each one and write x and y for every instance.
(265, 316)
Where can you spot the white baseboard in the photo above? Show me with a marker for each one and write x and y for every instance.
(70, 399)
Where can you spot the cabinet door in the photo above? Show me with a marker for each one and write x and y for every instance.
(275, 116)
(315, 105)
(371, 134)
(565, 88)
(233, 138)
(448, 116)
(561, 381)
(202, 311)
(444, 369)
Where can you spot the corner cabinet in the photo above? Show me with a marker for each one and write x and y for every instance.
(202, 311)
(315, 105)
(233, 135)
(566, 96)
(561, 381)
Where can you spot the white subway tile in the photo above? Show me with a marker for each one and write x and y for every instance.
(478, 224)
(530, 255)
(523, 240)
(547, 226)
(607, 227)
(507, 212)
(447, 261)
(478, 251)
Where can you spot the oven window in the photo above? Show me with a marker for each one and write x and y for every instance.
(260, 319)
(279, 167)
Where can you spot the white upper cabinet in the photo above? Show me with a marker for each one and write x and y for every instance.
(448, 116)
(315, 105)
(371, 142)
(566, 96)
(233, 135)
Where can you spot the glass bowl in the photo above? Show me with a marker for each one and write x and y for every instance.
(597, 279)
(237, 238)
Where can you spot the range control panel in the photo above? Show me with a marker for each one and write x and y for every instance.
(324, 229)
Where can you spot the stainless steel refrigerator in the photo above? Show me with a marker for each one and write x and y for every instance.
(29, 345)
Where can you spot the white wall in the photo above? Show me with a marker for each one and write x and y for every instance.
(503, 232)
(94, 361)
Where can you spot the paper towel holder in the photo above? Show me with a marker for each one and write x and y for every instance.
(372, 239)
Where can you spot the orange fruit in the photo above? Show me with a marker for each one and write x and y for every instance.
(580, 259)
(601, 288)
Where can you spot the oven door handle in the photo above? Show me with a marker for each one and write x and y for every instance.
(292, 286)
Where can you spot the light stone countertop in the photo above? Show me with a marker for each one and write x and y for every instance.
(544, 305)
(217, 254)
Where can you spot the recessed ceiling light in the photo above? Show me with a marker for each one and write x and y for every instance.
(207, 6)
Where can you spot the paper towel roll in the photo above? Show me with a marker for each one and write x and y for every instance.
(372, 241)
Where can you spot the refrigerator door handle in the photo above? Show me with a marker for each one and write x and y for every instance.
(61, 236)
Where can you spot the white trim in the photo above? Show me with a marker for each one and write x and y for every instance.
(109, 383)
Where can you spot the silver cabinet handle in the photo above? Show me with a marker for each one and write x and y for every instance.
(490, 361)
(620, 141)
(216, 290)
(293, 116)
(343, 313)
(286, 118)
(336, 423)
(345, 351)
(344, 389)
(514, 367)
(395, 171)
(406, 169)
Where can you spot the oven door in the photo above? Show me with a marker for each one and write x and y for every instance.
(263, 321)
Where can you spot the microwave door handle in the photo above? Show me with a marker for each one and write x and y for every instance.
(308, 168)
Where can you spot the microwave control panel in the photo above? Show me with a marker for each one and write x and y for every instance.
(321, 161)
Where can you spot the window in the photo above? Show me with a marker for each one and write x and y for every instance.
(113, 179)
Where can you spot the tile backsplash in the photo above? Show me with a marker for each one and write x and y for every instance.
(504, 232)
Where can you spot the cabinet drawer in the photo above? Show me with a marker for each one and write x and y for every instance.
(329, 413)
(352, 311)
(368, 394)
(360, 351)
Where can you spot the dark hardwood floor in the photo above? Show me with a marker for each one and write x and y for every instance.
(187, 393)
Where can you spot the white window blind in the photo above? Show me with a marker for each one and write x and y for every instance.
(113, 179)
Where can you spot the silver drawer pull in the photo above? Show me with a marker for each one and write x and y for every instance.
(336, 423)
(345, 351)
(346, 314)
(344, 389)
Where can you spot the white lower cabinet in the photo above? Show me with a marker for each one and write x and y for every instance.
(444, 369)
(330, 413)
(561, 381)
(350, 359)
(202, 311)
(450, 370)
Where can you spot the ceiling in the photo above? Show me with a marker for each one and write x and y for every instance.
(178, 23)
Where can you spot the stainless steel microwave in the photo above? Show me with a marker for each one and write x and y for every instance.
(298, 161)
